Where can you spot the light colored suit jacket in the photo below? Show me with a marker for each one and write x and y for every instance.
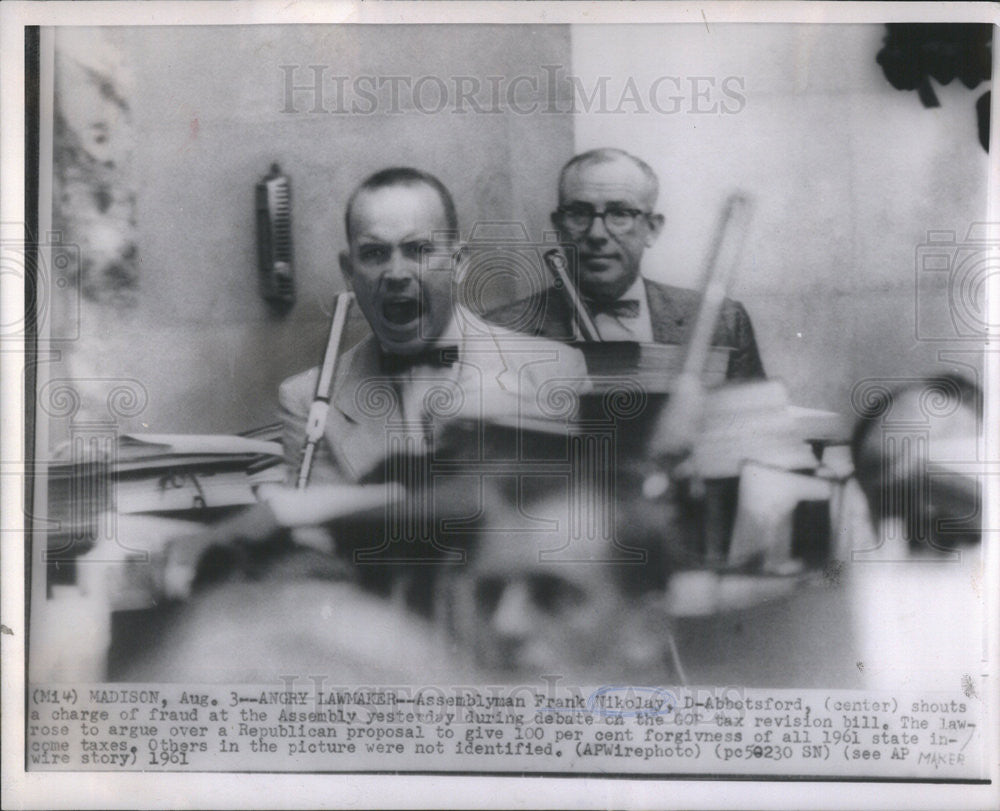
(498, 374)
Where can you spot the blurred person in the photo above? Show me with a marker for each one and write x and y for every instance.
(916, 581)
(265, 632)
(912, 447)
(547, 592)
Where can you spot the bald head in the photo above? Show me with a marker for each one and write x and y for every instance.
(650, 184)
(406, 177)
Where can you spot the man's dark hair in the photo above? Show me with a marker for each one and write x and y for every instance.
(643, 564)
(872, 411)
(403, 176)
(924, 506)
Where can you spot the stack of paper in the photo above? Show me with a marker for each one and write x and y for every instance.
(649, 367)
(158, 473)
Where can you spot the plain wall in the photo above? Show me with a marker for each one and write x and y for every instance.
(847, 175)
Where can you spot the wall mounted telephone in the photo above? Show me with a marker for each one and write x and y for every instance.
(274, 239)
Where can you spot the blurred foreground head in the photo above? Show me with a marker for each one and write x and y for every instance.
(302, 628)
(913, 447)
(559, 586)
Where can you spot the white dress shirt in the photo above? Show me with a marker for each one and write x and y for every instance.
(417, 382)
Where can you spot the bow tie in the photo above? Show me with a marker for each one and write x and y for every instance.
(439, 356)
(620, 308)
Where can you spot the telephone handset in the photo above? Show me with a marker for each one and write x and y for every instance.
(274, 239)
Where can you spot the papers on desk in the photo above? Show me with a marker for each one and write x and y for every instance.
(146, 445)
(178, 472)
(156, 451)
(652, 367)
(164, 473)
(183, 489)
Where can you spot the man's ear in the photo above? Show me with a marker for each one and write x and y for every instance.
(460, 252)
(656, 222)
(459, 265)
(346, 267)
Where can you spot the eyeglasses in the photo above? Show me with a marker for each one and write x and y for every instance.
(578, 218)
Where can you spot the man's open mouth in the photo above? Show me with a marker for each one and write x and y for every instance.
(400, 311)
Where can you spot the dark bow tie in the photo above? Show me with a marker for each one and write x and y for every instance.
(620, 308)
(440, 356)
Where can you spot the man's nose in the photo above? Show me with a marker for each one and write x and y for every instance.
(513, 616)
(400, 272)
(597, 232)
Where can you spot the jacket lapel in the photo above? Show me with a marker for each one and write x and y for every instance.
(558, 318)
(669, 323)
(364, 402)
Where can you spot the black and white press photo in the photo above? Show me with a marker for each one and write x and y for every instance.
(538, 396)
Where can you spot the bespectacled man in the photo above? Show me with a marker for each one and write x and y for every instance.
(607, 215)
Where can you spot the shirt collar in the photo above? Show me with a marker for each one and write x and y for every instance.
(638, 292)
(640, 328)
(451, 335)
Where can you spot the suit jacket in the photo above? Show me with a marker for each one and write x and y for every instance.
(672, 311)
(498, 374)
